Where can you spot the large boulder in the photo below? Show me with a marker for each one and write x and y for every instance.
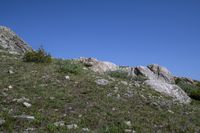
(171, 90)
(145, 72)
(161, 80)
(12, 43)
(98, 66)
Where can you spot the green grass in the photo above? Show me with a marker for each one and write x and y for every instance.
(81, 101)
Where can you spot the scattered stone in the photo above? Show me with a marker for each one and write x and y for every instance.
(20, 100)
(85, 129)
(124, 82)
(109, 94)
(52, 98)
(128, 123)
(84, 68)
(137, 85)
(102, 82)
(59, 124)
(118, 96)
(67, 77)
(116, 89)
(128, 131)
(10, 72)
(133, 131)
(2, 121)
(28, 105)
(10, 87)
(27, 117)
(113, 109)
(72, 126)
(170, 111)
(28, 130)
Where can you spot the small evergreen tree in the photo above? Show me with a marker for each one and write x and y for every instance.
(38, 56)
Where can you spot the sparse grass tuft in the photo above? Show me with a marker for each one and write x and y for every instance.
(70, 67)
(119, 74)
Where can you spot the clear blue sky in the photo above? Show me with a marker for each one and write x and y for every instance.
(126, 32)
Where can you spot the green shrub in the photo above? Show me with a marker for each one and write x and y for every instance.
(193, 91)
(70, 67)
(39, 56)
(198, 84)
(119, 74)
(195, 94)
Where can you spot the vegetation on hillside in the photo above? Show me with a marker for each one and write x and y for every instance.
(80, 102)
(192, 89)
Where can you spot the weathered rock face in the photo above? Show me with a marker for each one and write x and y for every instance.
(161, 80)
(98, 66)
(12, 43)
(162, 73)
(169, 89)
(157, 77)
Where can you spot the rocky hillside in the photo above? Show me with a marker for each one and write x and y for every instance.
(88, 95)
(12, 43)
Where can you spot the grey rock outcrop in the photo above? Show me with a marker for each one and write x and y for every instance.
(161, 80)
(12, 43)
(162, 73)
(98, 66)
(169, 89)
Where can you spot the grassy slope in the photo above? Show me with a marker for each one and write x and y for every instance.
(147, 110)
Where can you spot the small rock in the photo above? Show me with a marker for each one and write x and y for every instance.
(2, 121)
(20, 100)
(28, 117)
(133, 131)
(72, 126)
(124, 82)
(10, 72)
(128, 123)
(127, 130)
(10, 87)
(118, 96)
(170, 111)
(28, 130)
(59, 124)
(109, 94)
(28, 105)
(137, 85)
(85, 129)
(67, 77)
(52, 98)
(70, 108)
(113, 109)
(80, 115)
(84, 68)
(102, 82)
